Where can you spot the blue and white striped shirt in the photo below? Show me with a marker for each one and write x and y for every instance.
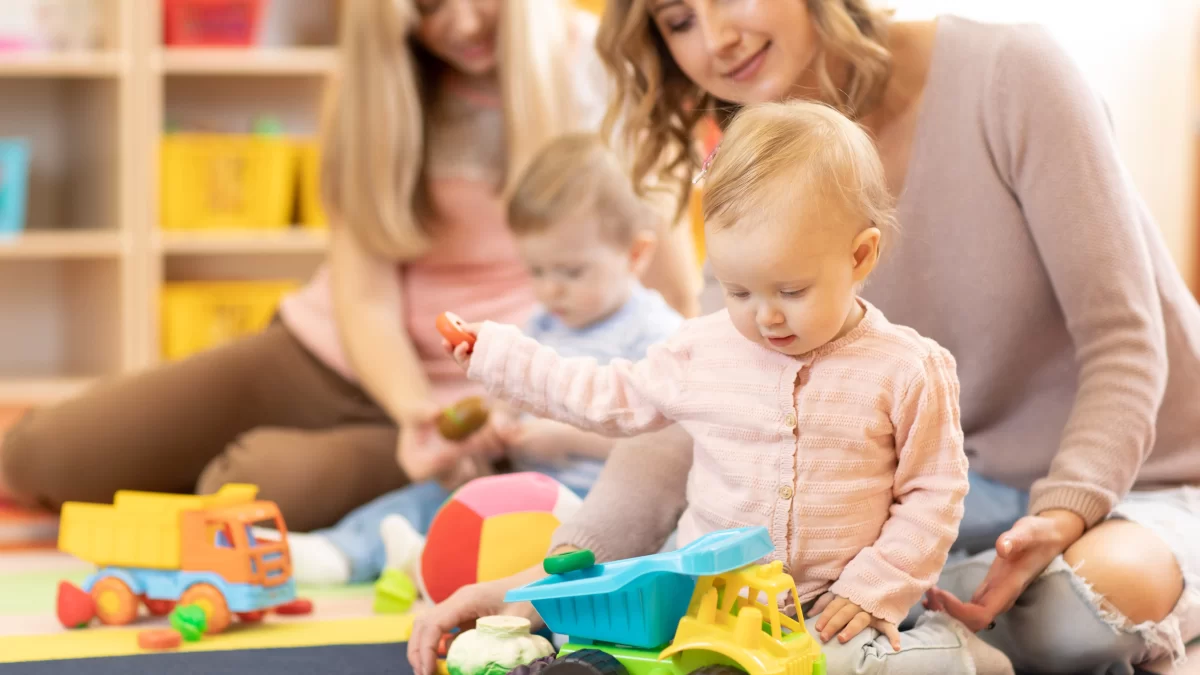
(645, 319)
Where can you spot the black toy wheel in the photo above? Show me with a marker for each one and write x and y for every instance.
(586, 662)
(718, 670)
(534, 668)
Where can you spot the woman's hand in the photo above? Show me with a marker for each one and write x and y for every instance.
(461, 610)
(424, 454)
(839, 616)
(1021, 555)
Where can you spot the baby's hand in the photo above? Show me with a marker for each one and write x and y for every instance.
(845, 619)
(461, 353)
(458, 337)
(539, 439)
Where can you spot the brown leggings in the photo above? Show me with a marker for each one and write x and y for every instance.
(262, 410)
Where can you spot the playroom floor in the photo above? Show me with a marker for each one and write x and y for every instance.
(29, 630)
(342, 616)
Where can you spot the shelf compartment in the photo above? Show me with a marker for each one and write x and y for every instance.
(74, 138)
(64, 319)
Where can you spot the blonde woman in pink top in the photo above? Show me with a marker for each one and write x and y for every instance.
(438, 104)
(812, 414)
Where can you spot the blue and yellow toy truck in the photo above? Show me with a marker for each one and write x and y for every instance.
(706, 609)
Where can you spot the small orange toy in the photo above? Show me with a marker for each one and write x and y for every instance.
(159, 638)
(295, 607)
(453, 328)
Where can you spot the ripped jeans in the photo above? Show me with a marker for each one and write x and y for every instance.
(1057, 625)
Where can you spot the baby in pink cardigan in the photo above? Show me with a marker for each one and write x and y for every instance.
(812, 414)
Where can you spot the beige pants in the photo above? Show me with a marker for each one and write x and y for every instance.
(262, 410)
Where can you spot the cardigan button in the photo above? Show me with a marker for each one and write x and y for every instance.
(786, 492)
(790, 420)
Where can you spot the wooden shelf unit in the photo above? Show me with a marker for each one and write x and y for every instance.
(80, 287)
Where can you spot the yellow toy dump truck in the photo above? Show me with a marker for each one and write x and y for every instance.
(705, 609)
(162, 549)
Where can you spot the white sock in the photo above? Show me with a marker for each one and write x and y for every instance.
(402, 543)
(315, 560)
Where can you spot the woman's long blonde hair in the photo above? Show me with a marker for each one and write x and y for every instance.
(373, 136)
(657, 107)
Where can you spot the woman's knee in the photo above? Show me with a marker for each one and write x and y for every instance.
(1131, 569)
(22, 449)
(240, 463)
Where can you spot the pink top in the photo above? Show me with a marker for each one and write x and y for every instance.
(473, 265)
(852, 455)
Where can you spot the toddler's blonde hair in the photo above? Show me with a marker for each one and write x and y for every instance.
(577, 175)
(796, 150)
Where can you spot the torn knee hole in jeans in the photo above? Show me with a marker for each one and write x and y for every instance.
(1162, 638)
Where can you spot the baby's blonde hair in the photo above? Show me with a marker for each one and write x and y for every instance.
(577, 175)
(797, 150)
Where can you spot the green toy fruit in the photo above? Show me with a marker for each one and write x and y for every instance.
(190, 621)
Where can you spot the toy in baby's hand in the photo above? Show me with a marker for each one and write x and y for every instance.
(454, 329)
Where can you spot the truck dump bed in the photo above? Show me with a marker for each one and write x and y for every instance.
(139, 529)
(639, 602)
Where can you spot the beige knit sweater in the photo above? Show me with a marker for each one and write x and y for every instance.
(1026, 251)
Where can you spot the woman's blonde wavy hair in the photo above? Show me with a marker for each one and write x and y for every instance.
(373, 135)
(656, 107)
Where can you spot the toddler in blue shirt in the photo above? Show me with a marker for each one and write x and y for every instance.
(585, 237)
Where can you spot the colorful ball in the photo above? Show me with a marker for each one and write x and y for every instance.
(491, 528)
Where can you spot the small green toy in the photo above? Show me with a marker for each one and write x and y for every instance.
(190, 621)
(395, 593)
(572, 561)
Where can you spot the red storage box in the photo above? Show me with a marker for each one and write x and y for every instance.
(211, 23)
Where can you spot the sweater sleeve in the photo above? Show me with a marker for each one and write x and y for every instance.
(622, 398)
(638, 499)
(891, 575)
(1054, 144)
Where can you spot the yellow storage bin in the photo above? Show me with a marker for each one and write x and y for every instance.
(200, 315)
(227, 181)
(311, 213)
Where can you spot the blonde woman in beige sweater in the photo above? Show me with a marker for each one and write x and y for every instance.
(1025, 251)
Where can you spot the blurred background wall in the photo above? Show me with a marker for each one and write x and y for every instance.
(1144, 59)
(157, 191)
